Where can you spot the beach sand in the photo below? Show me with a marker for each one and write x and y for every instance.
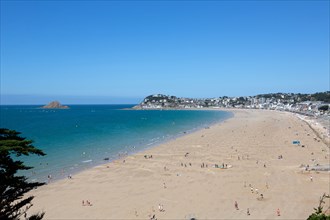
(249, 143)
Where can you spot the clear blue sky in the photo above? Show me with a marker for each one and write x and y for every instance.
(122, 51)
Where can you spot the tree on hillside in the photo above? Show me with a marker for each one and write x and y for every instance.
(13, 187)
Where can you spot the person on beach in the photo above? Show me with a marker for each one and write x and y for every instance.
(236, 205)
(89, 203)
(311, 178)
(278, 212)
(164, 185)
(248, 211)
(83, 203)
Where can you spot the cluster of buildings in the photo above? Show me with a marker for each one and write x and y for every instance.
(300, 103)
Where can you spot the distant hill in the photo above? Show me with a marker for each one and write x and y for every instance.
(55, 105)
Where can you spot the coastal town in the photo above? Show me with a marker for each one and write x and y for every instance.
(308, 104)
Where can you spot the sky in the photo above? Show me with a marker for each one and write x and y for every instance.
(107, 52)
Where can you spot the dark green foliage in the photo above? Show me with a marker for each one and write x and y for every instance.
(12, 187)
(324, 108)
(322, 96)
(318, 214)
(318, 217)
(319, 96)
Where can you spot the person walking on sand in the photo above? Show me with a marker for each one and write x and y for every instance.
(278, 212)
(236, 205)
(248, 211)
(311, 178)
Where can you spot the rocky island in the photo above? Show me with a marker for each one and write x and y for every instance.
(55, 105)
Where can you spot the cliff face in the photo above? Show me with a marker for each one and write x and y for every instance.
(55, 105)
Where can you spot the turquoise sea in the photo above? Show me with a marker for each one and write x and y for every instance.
(83, 136)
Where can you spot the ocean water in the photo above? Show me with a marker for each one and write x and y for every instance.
(83, 136)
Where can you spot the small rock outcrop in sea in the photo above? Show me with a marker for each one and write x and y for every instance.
(55, 104)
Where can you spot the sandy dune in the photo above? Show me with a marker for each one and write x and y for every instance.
(249, 143)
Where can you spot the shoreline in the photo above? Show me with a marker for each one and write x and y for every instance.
(134, 150)
(201, 145)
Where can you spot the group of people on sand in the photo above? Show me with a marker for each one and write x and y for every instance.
(256, 191)
(185, 165)
(278, 212)
(203, 165)
(239, 158)
(223, 166)
(147, 156)
(152, 216)
(87, 203)
(236, 207)
(260, 197)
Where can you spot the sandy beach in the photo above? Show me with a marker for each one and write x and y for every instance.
(186, 178)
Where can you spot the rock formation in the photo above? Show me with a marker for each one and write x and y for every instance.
(55, 105)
